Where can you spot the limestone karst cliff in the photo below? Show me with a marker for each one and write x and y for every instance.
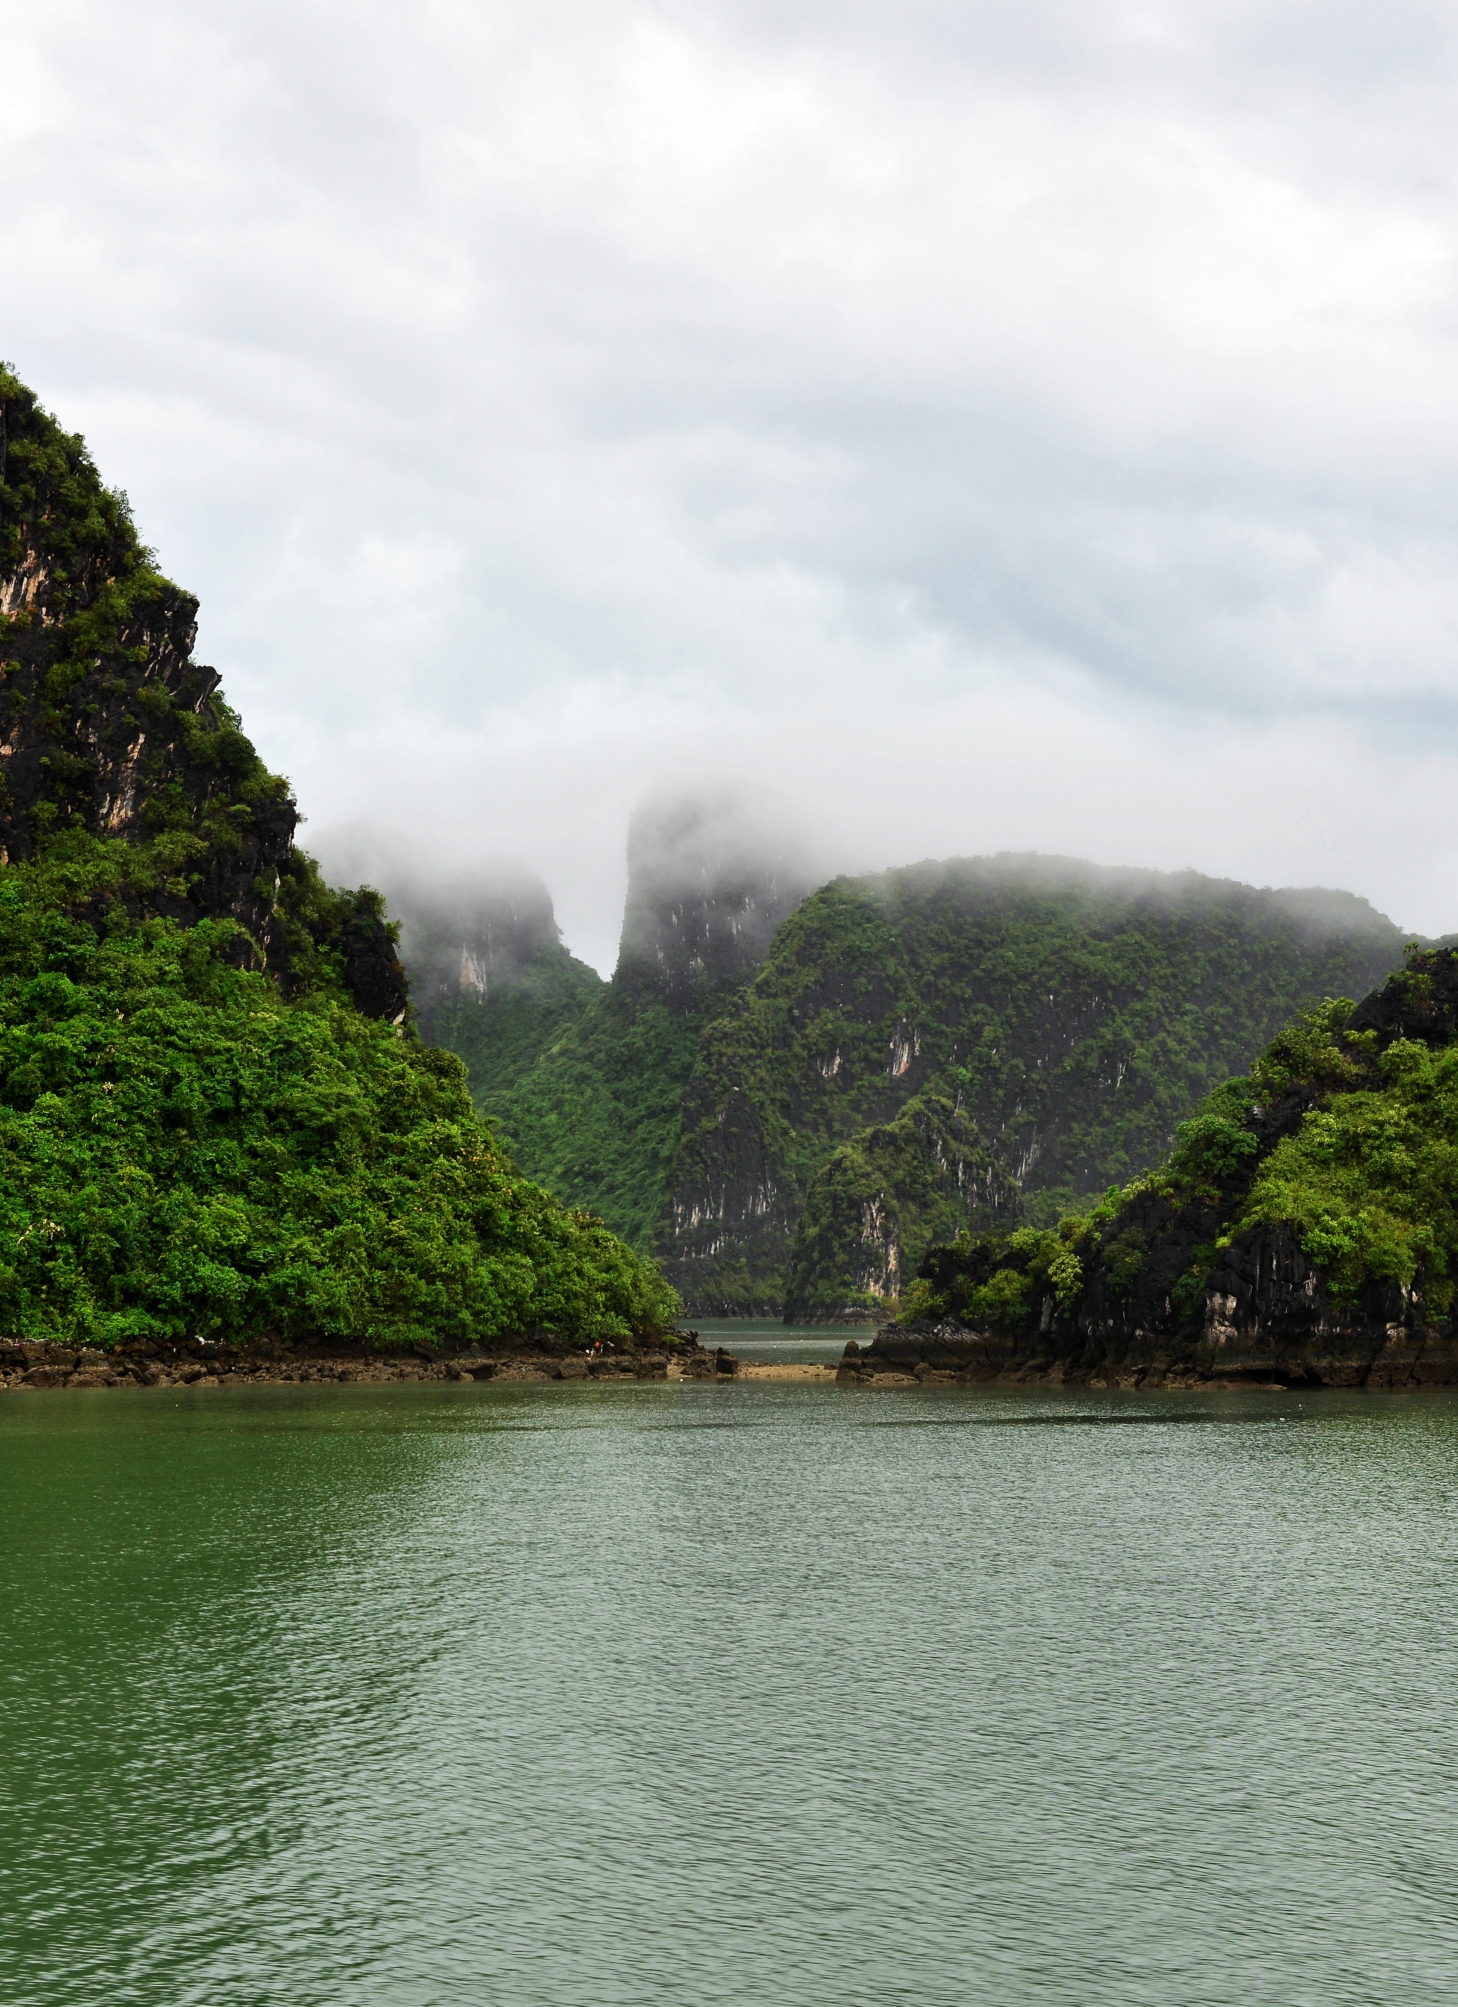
(109, 726)
(216, 1121)
(471, 940)
(490, 979)
(971, 1042)
(708, 886)
(597, 1115)
(1304, 1231)
(790, 1098)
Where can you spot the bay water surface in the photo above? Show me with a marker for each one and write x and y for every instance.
(768, 1694)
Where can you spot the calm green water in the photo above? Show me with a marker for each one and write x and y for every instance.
(764, 1694)
(755, 1338)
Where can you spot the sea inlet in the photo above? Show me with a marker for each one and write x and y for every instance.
(763, 1694)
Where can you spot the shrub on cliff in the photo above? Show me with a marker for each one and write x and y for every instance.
(1370, 1178)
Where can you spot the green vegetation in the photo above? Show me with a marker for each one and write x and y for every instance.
(214, 1119)
(1065, 1017)
(1341, 1135)
(983, 1045)
(999, 1280)
(184, 1153)
(1369, 1179)
(501, 1036)
(581, 1080)
(598, 1113)
(902, 1184)
(597, 1117)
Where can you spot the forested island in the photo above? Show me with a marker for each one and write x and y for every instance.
(788, 1097)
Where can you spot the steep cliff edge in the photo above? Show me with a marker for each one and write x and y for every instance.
(970, 1042)
(708, 887)
(109, 728)
(216, 1123)
(489, 976)
(597, 1117)
(1303, 1231)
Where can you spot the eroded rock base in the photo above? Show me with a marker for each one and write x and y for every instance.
(37, 1367)
(927, 1355)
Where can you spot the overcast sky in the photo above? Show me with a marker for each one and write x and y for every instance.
(1023, 425)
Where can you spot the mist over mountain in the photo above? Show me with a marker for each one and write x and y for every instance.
(976, 1041)
(584, 1079)
(788, 1094)
(996, 427)
(711, 875)
(469, 932)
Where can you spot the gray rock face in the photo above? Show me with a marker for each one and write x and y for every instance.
(1293, 1337)
(198, 1364)
(473, 939)
(708, 886)
(1066, 1017)
(490, 977)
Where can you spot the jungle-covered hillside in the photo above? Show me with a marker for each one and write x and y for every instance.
(490, 978)
(976, 1043)
(790, 1112)
(1304, 1225)
(215, 1118)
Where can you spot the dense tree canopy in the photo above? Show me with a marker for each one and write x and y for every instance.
(182, 1152)
(215, 1117)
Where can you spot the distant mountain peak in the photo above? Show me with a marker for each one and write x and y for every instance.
(711, 876)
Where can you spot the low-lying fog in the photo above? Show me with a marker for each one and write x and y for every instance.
(676, 846)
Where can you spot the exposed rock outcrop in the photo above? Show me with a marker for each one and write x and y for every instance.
(708, 886)
(1066, 1015)
(490, 978)
(109, 726)
(596, 1116)
(37, 1368)
(1277, 1327)
(468, 941)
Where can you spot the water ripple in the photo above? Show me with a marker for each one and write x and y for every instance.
(765, 1695)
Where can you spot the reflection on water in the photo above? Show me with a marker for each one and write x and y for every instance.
(727, 1694)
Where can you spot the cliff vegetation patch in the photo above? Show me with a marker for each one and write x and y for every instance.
(1311, 1202)
(216, 1120)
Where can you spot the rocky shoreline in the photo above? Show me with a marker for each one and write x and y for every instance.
(26, 1367)
(898, 1356)
(1226, 1360)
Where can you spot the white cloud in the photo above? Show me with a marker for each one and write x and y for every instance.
(995, 425)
